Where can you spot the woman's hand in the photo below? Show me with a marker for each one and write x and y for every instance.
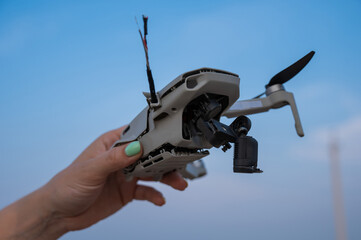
(92, 188)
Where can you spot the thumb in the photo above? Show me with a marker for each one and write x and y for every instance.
(117, 158)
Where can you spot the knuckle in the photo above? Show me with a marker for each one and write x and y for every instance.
(105, 135)
(115, 156)
(141, 193)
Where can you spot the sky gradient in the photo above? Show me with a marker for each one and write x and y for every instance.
(71, 70)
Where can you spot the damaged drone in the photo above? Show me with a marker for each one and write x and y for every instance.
(182, 121)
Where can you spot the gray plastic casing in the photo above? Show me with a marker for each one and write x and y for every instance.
(157, 126)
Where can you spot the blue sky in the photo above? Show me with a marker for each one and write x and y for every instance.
(71, 70)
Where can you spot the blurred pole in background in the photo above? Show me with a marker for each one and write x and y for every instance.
(336, 184)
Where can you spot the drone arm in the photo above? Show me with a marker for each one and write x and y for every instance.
(282, 98)
(246, 107)
(275, 100)
(291, 101)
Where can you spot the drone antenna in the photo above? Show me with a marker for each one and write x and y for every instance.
(153, 96)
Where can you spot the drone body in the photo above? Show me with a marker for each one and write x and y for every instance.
(168, 132)
(183, 120)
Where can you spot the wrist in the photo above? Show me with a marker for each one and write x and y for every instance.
(31, 218)
(53, 224)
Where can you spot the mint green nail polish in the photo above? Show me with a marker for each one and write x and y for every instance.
(132, 149)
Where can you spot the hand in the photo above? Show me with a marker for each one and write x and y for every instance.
(93, 187)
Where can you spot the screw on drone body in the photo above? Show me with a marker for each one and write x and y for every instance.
(226, 147)
(243, 131)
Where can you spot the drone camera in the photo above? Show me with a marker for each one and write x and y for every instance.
(245, 147)
(245, 155)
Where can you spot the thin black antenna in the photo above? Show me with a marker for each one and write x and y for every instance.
(153, 96)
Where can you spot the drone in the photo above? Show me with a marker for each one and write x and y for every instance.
(182, 121)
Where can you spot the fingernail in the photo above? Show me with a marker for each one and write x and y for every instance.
(132, 149)
(186, 184)
(163, 201)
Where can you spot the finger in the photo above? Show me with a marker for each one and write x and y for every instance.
(101, 144)
(117, 158)
(173, 179)
(110, 137)
(118, 131)
(149, 194)
(126, 187)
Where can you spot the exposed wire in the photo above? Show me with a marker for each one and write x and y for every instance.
(144, 42)
(145, 46)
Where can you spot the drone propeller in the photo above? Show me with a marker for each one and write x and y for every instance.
(288, 73)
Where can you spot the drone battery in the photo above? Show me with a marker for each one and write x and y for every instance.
(245, 155)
